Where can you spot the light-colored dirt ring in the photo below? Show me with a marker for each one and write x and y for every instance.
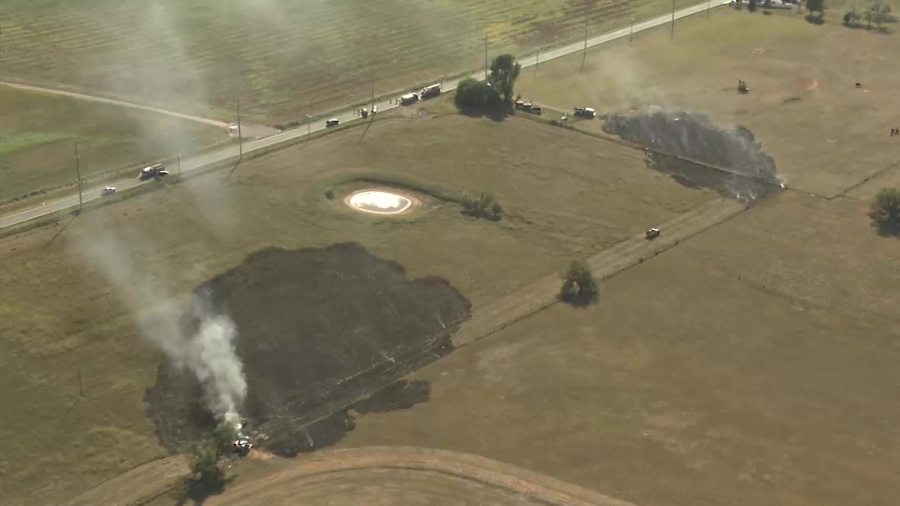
(356, 201)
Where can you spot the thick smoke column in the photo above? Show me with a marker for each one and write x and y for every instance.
(210, 355)
(201, 341)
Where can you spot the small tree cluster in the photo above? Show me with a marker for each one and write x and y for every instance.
(484, 206)
(205, 455)
(877, 14)
(495, 92)
(886, 209)
(578, 285)
(476, 96)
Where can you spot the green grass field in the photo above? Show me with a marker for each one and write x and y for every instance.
(565, 195)
(281, 58)
(38, 134)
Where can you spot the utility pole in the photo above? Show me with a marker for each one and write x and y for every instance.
(537, 59)
(584, 53)
(240, 137)
(631, 33)
(485, 56)
(672, 36)
(308, 127)
(78, 178)
(442, 83)
(373, 89)
(80, 383)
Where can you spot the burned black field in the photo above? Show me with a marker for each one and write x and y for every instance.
(699, 154)
(317, 330)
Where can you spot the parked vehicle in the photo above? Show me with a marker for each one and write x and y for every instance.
(430, 91)
(332, 122)
(652, 233)
(409, 99)
(109, 190)
(585, 112)
(153, 171)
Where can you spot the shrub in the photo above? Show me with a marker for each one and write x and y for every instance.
(886, 208)
(484, 206)
(579, 286)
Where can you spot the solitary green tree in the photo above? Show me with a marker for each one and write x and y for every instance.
(502, 77)
(205, 462)
(578, 285)
(886, 208)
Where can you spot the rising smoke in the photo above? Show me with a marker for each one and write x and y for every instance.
(200, 340)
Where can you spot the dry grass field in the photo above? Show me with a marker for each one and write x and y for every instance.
(282, 58)
(753, 363)
(38, 134)
(825, 134)
(565, 196)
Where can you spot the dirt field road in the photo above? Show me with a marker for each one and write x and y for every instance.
(406, 475)
(110, 101)
(136, 486)
(542, 293)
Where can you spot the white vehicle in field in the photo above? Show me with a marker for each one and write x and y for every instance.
(652, 233)
(109, 190)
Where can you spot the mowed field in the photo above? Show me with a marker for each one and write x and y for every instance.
(825, 135)
(566, 195)
(38, 134)
(282, 58)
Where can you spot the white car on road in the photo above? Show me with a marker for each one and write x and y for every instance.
(109, 190)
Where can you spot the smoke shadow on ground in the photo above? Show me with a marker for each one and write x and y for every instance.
(698, 154)
(317, 330)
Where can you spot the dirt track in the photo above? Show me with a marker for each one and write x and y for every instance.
(438, 476)
(608, 262)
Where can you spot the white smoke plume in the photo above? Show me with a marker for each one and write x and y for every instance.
(206, 350)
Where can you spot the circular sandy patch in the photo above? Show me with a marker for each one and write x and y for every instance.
(381, 201)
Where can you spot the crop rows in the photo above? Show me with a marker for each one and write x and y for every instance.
(281, 58)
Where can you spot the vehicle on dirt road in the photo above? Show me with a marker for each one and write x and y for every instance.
(109, 190)
(333, 122)
(652, 233)
(153, 171)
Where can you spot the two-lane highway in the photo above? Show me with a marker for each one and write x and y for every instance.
(231, 153)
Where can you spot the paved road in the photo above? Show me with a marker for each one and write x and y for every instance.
(231, 153)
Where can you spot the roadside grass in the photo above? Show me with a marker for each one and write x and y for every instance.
(37, 140)
(824, 133)
(565, 194)
(283, 59)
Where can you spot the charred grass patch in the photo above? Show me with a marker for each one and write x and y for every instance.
(564, 194)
